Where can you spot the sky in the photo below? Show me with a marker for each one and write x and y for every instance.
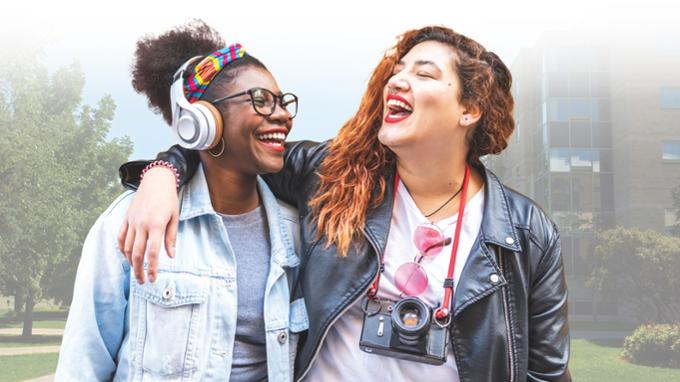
(322, 51)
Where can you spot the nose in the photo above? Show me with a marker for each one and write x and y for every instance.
(397, 83)
(281, 116)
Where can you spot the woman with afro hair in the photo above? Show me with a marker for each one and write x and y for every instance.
(219, 307)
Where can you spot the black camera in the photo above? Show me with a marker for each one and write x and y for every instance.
(406, 329)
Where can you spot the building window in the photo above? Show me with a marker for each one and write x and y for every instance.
(560, 160)
(559, 134)
(566, 160)
(670, 219)
(670, 98)
(671, 151)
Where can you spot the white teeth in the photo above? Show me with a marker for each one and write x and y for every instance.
(399, 104)
(272, 136)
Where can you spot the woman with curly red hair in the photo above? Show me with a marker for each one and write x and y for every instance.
(417, 262)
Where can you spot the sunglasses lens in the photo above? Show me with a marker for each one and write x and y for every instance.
(428, 239)
(411, 279)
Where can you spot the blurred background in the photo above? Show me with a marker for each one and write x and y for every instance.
(596, 143)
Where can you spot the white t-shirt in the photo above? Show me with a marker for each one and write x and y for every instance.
(340, 358)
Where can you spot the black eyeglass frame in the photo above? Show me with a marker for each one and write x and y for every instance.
(278, 100)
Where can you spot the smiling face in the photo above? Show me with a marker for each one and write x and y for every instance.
(421, 105)
(254, 143)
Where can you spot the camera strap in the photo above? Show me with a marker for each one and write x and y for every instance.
(443, 311)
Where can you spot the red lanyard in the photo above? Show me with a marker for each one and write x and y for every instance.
(448, 283)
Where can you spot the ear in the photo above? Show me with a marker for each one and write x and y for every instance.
(471, 115)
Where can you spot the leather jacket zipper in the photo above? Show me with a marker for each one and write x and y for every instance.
(350, 305)
(506, 314)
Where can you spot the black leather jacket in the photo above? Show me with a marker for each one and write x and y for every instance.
(510, 307)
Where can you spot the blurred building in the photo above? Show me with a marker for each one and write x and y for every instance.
(596, 143)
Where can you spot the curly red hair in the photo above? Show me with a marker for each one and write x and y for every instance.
(352, 177)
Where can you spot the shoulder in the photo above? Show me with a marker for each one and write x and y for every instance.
(114, 215)
(528, 217)
(310, 153)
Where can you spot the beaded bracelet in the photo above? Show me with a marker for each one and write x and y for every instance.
(161, 163)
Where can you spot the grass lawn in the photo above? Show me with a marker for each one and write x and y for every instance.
(18, 341)
(21, 367)
(602, 326)
(43, 319)
(598, 361)
(48, 324)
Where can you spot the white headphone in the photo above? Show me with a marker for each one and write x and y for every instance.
(198, 125)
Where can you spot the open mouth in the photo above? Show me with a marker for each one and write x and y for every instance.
(398, 109)
(273, 141)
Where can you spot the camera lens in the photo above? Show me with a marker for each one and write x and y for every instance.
(410, 319)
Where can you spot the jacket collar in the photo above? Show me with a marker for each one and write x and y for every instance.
(497, 225)
(195, 202)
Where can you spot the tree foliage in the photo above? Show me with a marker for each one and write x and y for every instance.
(675, 196)
(58, 172)
(639, 268)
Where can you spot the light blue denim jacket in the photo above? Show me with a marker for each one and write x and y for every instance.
(182, 326)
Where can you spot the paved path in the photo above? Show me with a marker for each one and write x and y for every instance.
(29, 350)
(47, 378)
(32, 349)
(36, 332)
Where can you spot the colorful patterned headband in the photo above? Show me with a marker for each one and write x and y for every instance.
(207, 69)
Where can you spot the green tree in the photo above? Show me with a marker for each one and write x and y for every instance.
(59, 173)
(639, 268)
(675, 195)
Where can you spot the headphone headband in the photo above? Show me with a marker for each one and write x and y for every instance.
(208, 68)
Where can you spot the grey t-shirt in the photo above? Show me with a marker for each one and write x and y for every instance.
(249, 238)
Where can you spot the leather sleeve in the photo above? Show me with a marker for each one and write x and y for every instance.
(548, 325)
(185, 161)
(300, 162)
(293, 184)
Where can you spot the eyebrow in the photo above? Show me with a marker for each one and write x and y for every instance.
(421, 63)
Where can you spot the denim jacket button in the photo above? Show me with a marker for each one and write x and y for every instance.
(168, 293)
(283, 336)
(494, 278)
(510, 240)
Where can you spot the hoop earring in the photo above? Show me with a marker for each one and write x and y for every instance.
(221, 151)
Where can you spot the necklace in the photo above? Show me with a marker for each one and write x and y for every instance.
(445, 203)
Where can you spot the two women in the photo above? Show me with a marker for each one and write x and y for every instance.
(221, 308)
(397, 207)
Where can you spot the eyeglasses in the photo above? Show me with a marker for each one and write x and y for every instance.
(264, 101)
(410, 278)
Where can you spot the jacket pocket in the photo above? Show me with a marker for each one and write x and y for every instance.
(170, 315)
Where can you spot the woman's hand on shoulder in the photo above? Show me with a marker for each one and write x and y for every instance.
(153, 215)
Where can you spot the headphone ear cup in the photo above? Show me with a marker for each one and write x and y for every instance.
(216, 119)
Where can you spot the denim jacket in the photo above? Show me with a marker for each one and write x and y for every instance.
(182, 326)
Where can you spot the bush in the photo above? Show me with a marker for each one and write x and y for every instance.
(654, 345)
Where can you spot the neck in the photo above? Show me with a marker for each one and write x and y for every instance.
(231, 192)
(432, 180)
(431, 176)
